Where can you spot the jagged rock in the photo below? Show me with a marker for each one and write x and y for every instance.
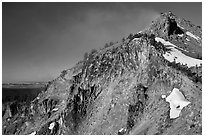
(118, 89)
(7, 112)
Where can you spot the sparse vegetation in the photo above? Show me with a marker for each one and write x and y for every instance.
(116, 90)
(196, 77)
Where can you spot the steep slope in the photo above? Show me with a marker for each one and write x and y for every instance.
(178, 32)
(118, 90)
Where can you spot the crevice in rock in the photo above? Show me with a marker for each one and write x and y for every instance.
(172, 27)
(136, 109)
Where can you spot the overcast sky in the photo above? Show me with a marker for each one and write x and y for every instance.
(41, 39)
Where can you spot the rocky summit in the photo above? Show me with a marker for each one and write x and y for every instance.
(125, 88)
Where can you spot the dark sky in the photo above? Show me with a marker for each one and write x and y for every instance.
(39, 40)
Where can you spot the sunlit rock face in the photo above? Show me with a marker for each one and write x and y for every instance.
(118, 90)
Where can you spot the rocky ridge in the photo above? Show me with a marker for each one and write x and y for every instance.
(118, 89)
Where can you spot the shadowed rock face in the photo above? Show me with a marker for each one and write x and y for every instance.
(173, 28)
(117, 90)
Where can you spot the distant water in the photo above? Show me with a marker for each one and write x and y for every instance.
(20, 93)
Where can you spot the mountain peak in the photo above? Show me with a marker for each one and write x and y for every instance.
(168, 14)
(119, 89)
(168, 24)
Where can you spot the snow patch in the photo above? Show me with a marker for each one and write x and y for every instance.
(177, 102)
(121, 129)
(180, 35)
(191, 35)
(177, 55)
(167, 43)
(180, 26)
(187, 39)
(52, 125)
(135, 39)
(163, 96)
(164, 42)
(55, 109)
(33, 133)
(181, 58)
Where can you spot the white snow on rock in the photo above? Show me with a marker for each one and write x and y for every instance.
(163, 96)
(164, 42)
(180, 35)
(55, 109)
(180, 26)
(177, 54)
(33, 133)
(177, 102)
(121, 129)
(167, 43)
(52, 125)
(191, 35)
(135, 39)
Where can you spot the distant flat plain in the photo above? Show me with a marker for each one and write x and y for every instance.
(21, 92)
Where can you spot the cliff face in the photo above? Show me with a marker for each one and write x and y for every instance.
(178, 31)
(118, 90)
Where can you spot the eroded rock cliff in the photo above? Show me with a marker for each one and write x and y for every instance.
(118, 90)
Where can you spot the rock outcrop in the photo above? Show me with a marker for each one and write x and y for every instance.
(117, 90)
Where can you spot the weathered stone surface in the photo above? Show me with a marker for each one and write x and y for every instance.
(117, 90)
